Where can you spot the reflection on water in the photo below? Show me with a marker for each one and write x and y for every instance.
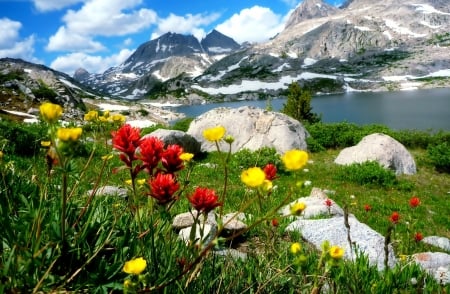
(421, 109)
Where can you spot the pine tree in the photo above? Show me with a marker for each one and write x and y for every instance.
(298, 104)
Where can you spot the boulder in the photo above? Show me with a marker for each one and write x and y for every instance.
(252, 128)
(170, 137)
(437, 264)
(368, 241)
(381, 148)
(109, 191)
(441, 242)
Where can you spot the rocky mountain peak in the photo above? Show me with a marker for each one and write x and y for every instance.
(217, 43)
(310, 9)
(81, 74)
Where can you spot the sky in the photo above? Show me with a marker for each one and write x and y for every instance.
(98, 34)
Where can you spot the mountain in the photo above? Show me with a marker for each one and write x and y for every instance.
(310, 9)
(158, 60)
(362, 45)
(24, 86)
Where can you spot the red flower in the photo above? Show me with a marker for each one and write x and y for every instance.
(163, 188)
(275, 222)
(271, 171)
(414, 202)
(150, 152)
(328, 202)
(367, 207)
(204, 200)
(126, 140)
(171, 158)
(395, 217)
(418, 236)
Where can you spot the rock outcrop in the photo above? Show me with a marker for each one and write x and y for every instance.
(252, 128)
(381, 148)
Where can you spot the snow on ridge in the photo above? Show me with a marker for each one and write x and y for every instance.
(64, 81)
(428, 9)
(363, 29)
(282, 67)
(219, 49)
(427, 24)
(27, 70)
(401, 30)
(308, 61)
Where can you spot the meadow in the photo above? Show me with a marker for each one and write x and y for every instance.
(60, 235)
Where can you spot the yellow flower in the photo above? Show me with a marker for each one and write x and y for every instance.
(107, 157)
(102, 119)
(127, 283)
(185, 156)
(128, 182)
(336, 252)
(267, 185)
(214, 134)
(92, 115)
(50, 112)
(296, 248)
(46, 143)
(118, 118)
(294, 159)
(297, 208)
(253, 177)
(69, 134)
(140, 182)
(135, 266)
(106, 114)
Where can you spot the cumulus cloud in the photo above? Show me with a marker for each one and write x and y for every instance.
(100, 18)
(48, 5)
(69, 63)
(11, 45)
(188, 24)
(255, 24)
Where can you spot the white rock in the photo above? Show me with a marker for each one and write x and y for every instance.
(381, 148)
(437, 241)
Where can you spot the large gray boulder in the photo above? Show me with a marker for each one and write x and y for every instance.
(381, 148)
(252, 128)
(170, 137)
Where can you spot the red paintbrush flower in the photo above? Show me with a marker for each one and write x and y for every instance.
(395, 217)
(367, 207)
(271, 171)
(171, 160)
(150, 152)
(126, 140)
(204, 200)
(418, 236)
(328, 202)
(163, 188)
(275, 222)
(414, 202)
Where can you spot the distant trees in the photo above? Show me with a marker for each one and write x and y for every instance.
(298, 104)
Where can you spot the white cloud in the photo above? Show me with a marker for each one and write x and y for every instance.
(10, 43)
(255, 24)
(65, 40)
(188, 24)
(292, 3)
(47, 5)
(94, 64)
(100, 18)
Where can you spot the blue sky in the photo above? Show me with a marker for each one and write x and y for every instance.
(97, 34)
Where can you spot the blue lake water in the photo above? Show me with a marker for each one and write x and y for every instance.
(420, 109)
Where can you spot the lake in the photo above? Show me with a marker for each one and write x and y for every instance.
(418, 109)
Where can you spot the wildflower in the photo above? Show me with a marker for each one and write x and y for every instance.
(229, 139)
(294, 159)
(150, 152)
(141, 182)
(336, 252)
(92, 115)
(296, 248)
(1, 154)
(69, 134)
(395, 217)
(275, 222)
(267, 185)
(129, 182)
(271, 171)
(414, 202)
(328, 202)
(186, 157)
(50, 112)
(126, 140)
(418, 236)
(127, 283)
(253, 177)
(135, 266)
(107, 157)
(403, 257)
(214, 134)
(163, 188)
(170, 158)
(367, 207)
(204, 200)
(118, 118)
(297, 208)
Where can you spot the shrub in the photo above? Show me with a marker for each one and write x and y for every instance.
(182, 124)
(245, 158)
(440, 156)
(23, 140)
(367, 173)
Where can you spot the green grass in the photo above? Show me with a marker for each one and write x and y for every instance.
(103, 233)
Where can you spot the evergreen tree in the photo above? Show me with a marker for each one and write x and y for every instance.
(298, 104)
